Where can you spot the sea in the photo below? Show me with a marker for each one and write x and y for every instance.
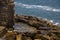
(49, 9)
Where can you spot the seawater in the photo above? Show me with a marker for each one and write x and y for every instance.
(49, 9)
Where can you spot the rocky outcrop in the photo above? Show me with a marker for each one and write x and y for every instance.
(2, 31)
(6, 13)
(45, 29)
(33, 21)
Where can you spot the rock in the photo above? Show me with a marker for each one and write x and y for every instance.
(10, 36)
(19, 37)
(44, 28)
(34, 21)
(2, 31)
(7, 13)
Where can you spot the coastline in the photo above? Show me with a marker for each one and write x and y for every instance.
(27, 19)
(29, 27)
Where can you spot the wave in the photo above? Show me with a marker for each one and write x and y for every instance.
(47, 8)
(51, 21)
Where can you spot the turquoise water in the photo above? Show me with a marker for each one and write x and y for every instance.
(49, 9)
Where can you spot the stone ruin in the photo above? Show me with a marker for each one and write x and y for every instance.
(7, 13)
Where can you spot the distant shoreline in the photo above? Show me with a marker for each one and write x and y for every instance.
(27, 19)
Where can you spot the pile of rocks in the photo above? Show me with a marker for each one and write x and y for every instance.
(34, 21)
(45, 29)
(43, 32)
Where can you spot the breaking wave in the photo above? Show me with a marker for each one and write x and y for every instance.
(47, 8)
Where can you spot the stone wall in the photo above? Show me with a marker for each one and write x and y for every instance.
(6, 12)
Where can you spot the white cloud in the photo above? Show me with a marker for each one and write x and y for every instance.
(47, 8)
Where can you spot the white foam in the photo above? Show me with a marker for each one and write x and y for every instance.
(51, 21)
(47, 8)
(56, 24)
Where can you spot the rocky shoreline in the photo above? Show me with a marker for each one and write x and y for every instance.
(44, 29)
(34, 21)
(21, 27)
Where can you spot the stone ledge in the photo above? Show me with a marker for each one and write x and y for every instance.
(2, 31)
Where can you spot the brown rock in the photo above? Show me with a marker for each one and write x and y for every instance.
(7, 13)
(2, 31)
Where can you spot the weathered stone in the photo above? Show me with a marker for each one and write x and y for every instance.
(10, 35)
(45, 28)
(6, 13)
(37, 39)
(2, 31)
(19, 37)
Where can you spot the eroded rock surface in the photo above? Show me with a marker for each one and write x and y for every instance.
(7, 13)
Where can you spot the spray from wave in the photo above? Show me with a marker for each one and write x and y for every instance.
(51, 21)
(47, 8)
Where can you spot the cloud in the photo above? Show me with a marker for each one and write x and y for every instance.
(47, 8)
